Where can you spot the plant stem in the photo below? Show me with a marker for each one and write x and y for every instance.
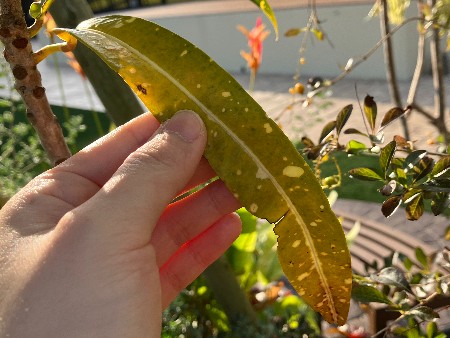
(231, 297)
(419, 64)
(438, 81)
(18, 53)
(391, 74)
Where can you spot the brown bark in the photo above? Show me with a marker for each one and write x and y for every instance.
(19, 54)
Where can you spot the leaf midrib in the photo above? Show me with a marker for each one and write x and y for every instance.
(256, 160)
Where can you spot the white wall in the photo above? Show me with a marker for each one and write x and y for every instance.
(347, 26)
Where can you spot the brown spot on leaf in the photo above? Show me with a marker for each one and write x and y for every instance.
(142, 89)
(38, 92)
(20, 43)
(20, 72)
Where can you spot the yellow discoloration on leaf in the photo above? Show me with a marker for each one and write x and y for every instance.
(293, 171)
(268, 128)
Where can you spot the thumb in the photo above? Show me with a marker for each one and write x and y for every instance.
(134, 198)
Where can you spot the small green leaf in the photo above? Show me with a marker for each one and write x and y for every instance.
(390, 117)
(391, 205)
(392, 276)
(35, 10)
(5, 103)
(415, 208)
(267, 10)
(422, 168)
(441, 167)
(369, 294)
(354, 131)
(424, 313)
(439, 202)
(370, 110)
(407, 263)
(386, 155)
(293, 32)
(327, 130)
(317, 33)
(421, 257)
(343, 117)
(413, 158)
(411, 194)
(365, 174)
(40, 8)
(354, 147)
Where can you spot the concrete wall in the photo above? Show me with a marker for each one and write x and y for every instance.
(347, 26)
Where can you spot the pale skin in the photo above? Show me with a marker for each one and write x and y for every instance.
(95, 248)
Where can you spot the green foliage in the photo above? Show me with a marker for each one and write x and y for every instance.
(406, 176)
(408, 286)
(196, 313)
(21, 154)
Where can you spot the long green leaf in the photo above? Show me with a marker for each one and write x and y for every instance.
(246, 148)
(267, 10)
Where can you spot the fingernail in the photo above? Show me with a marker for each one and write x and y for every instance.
(186, 124)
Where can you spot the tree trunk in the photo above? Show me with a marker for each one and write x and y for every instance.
(19, 54)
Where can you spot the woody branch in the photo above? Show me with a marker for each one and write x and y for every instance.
(18, 52)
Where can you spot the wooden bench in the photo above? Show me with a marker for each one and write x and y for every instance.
(374, 243)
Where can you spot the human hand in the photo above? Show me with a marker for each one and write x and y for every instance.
(93, 247)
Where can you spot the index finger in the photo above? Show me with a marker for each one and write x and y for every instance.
(100, 160)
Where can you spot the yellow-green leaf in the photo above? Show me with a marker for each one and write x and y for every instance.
(370, 109)
(245, 147)
(267, 10)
